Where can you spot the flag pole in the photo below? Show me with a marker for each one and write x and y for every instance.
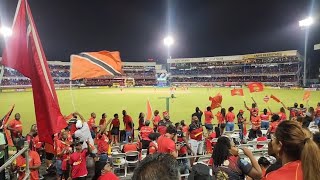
(70, 88)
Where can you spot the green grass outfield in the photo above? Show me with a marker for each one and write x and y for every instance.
(112, 100)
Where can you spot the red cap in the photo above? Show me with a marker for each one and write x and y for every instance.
(241, 111)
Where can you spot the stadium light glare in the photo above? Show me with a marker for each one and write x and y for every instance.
(5, 31)
(168, 41)
(306, 22)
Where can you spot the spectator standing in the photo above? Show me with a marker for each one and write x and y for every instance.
(230, 119)
(92, 124)
(15, 128)
(241, 123)
(198, 113)
(145, 131)
(115, 129)
(265, 118)
(208, 120)
(128, 124)
(196, 136)
(155, 120)
(167, 142)
(78, 161)
(164, 123)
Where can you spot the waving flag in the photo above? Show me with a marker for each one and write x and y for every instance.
(255, 87)
(275, 98)
(306, 95)
(95, 64)
(24, 53)
(237, 92)
(266, 99)
(149, 111)
(4, 120)
(215, 101)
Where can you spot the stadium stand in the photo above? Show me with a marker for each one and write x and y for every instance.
(282, 68)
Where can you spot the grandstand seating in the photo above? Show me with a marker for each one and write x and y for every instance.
(276, 68)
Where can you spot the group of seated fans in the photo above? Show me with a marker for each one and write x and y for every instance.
(84, 150)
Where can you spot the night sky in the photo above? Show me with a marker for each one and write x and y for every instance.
(200, 27)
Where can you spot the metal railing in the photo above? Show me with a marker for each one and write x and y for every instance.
(24, 150)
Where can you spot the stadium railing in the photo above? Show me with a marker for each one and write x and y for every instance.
(24, 150)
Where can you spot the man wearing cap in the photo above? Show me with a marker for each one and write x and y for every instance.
(164, 123)
(83, 132)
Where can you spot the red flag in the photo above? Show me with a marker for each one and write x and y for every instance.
(255, 87)
(149, 111)
(24, 53)
(306, 95)
(215, 101)
(266, 99)
(275, 98)
(6, 131)
(237, 92)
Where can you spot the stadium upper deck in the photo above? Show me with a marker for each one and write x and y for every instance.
(280, 68)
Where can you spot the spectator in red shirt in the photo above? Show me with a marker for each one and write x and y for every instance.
(167, 142)
(153, 146)
(275, 120)
(198, 113)
(145, 131)
(34, 163)
(15, 128)
(92, 124)
(298, 152)
(115, 128)
(253, 111)
(230, 119)
(260, 138)
(317, 114)
(107, 174)
(130, 146)
(265, 117)
(164, 123)
(156, 119)
(128, 124)
(221, 116)
(63, 149)
(208, 117)
(102, 145)
(157, 166)
(78, 161)
(103, 120)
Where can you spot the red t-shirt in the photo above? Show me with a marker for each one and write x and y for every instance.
(102, 143)
(208, 117)
(156, 120)
(265, 117)
(78, 164)
(282, 116)
(108, 176)
(130, 147)
(91, 122)
(153, 147)
(291, 170)
(230, 117)
(253, 112)
(115, 123)
(34, 160)
(220, 118)
(145, 131)
(127, 119)
(273, 126)
(102, 121)
(17, 125)
(166, 145)
(256, 122)
(185, 129)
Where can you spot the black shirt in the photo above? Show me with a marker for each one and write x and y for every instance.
(198, 114)
(275, 166)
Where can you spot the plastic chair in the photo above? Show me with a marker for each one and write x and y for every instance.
(118, 160)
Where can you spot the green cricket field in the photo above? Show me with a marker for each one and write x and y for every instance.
(114, 100)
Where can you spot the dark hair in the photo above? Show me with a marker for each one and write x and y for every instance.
(282, 110)
(295, 105)
(156, 112)
(182, 123)
(157, 167)
(147, 123)
(262, 161)
(230, 109)
(221, 150)
(217, 130)
(208, 108)
(301, 105)
(154, 136)
(316, 138)
(275, 117)
(254, 105)
(298, 145)
(177, 124)
(104, 114)
(115, 115)
(223, 112)
(259, 132)
(300, 119)
(171, 129)
(197, 109)
(265, 111)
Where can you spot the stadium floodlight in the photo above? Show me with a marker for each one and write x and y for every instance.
(168, 41)
(306, 22)
(5, 31)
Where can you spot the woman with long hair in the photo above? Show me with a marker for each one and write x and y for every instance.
(230, 117)
(221, 116)
(141, 120)
(228, 165)
(299, 154)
